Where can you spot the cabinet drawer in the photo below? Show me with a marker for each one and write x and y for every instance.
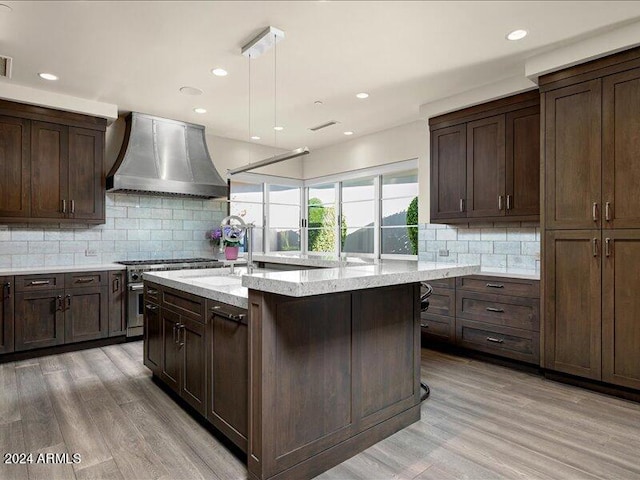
(437, 327)
(442, 302)
(500, 285)
(517, 312)
(226, 311)
(30, 283)
(442, 283)
(151, 292)
(86, 279)
(191, 306)
(508, 342)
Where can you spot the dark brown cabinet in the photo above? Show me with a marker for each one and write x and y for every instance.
(193, 362)
(117, 304)
(15, 142)
(228, 355)
(6, 314)
(171, 338)
(152, 337)
(39, 319)
(591, 199)
(437, 323)
(485, 162)
(86, 314)
(53, 162)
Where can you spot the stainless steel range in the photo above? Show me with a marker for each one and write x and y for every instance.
(135, 272)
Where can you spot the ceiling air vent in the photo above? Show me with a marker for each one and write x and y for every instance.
(5, 66)
(324, 125)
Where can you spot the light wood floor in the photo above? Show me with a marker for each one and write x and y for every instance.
(481, 422)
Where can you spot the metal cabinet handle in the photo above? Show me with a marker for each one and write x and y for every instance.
(152, 291)
(607, 247)
(60, 306)
(181, 328)
(7, 289)
(595, 212)
(64, 206)
(424, 325)
(73, 207)
(508, 202)
(116, 284)
(495, 285)
(493, 309)
(595, 247)
(607, 211)
(68, 298)
(462, 205)
(175, 326)
(135, 288)
(495, 340)
(39, 282)
(500, 202)
(151, 307)
(85, 280)
(216, 309)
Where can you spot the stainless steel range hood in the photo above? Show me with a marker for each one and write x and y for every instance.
(165, 157)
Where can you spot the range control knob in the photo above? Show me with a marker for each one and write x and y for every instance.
(135, 276)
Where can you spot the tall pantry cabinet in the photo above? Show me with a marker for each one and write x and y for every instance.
(591, 219)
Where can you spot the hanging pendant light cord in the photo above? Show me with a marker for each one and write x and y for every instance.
(249, 96)
(275, 90)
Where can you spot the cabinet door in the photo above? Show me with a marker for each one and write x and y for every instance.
(14, 167)
(486, 167)
(523, 162)
(86, 176)
(39, 319)
(227, 347)
(117, 302)
(170, 359)
(620, 147)
(621, 308)
(573, 156)
(153, 341)
(448, 172)
(49, 170)
(194, 364)
(572, 302)
(86, 314)
(6, 314)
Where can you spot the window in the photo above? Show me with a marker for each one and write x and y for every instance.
(246, 201)
(358, 215)
(284, 218)
(322, 218)
(399, 214)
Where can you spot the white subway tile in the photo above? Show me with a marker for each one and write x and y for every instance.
(499, 234)
(5, 261)
(531, 248)
(457, 246)
(470, 258)
(468, 234)
(127, 224)
(447, 234)
(82, 259)
(73, 246)
(162, 213)
(163, 234)
(105, 246)
(138, 235)
(116, 212)
(150, 202)
(172, 224)
(521, 261)
(181, 214)
(506, 248)
(13, 248)
(92, 235)
(153, 246)
(133, 212)
(27, 235)
(58, 259)
(44, 247)
(480, 247)
(114, 235)
(436, 245)
(172, 245)
(5, 235)
(127, 246)
(181, 235)
(203, 214)
(492, 260)
(193, 204)
(127, 200)
(26, 261)
(172, 203)
(521, 234)
(427, 256)
(112, 257)
(150, 224)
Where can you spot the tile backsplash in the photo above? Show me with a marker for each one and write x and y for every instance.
(499, 245)
(137, 227)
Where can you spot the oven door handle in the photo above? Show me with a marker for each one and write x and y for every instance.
(135, 288)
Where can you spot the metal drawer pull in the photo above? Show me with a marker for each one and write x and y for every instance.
(116, 284)
(73, 207)
(595, 212)
(184, 335)
(151, 307)
(461, 205)
(424, 325)
(495, 285)
(135, 288)
(607, 247)
(40, 282)
(7, 287)
(495, 340)
(60, 306)
(85, 280)
(500, 202)
(64, 206)
(607, 211)
(151, 291)
(595, 247)
(497, 310)
(230, 316)
(68, 297)
(508, 202)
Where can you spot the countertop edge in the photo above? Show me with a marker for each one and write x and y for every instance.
(205, 292)
(7, 272)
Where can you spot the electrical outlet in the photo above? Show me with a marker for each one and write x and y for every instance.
(443, 253)
(90, 252)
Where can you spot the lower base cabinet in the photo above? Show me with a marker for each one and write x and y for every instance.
(6, 314)
(39, 319)
(152, 355)
(86, 315)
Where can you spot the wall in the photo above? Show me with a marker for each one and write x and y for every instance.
(137, 227)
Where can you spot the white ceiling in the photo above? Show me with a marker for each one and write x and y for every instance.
(138, 54)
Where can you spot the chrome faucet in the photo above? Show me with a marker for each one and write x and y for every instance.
(248, 228)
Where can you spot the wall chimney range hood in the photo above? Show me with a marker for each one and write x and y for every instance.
(165, 157)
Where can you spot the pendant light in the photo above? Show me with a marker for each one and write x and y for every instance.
(265, 40)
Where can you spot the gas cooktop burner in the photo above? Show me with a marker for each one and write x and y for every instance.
(169, 261)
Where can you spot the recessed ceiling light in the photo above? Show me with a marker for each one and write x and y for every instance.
(348, 133)
(48, 76)
(318, 102)
(219, 72)
(191, 91)
(255, 137)
(278, 129)
(5, 8)
(517, 34)
(362, 95)
(200, 110)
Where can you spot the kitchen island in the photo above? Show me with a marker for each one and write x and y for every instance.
(301, 369)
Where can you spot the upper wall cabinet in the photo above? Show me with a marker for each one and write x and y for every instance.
(485, 162)
(52, 164)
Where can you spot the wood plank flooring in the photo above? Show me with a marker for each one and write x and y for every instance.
(482, 421)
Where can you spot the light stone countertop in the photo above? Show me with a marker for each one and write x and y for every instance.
(62, 269)
(218, 284)
(520, 273)
(320, 261)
